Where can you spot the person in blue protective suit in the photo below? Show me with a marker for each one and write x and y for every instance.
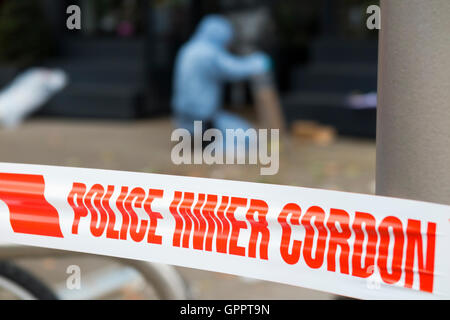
(202, 67)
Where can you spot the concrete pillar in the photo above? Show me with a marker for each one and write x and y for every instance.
(413, 139)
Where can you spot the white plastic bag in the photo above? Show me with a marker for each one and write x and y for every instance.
(29, 91)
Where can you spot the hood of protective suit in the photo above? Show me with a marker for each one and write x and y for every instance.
(215, 29)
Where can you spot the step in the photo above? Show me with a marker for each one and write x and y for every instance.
(343, 78)
(106, 47)
(330, 109)
(107, 71)
(342, 50)
(100, 101)
(356, 69)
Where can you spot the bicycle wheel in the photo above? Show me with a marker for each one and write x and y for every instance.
(18, 284)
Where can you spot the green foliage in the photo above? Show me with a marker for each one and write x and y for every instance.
(24, 37)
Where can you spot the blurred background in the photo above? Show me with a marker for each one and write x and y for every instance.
(113, 110)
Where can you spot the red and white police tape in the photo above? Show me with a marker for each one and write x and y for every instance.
(356, 245)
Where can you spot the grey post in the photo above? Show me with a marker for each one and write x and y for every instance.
(413, 129)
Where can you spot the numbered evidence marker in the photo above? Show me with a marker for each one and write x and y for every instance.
(374, 20)
(74, 20)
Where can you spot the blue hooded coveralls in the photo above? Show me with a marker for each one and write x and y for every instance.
(202, 66)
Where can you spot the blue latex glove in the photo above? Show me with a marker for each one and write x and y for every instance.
(263, 62)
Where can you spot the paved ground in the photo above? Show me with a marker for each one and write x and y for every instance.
(346, 165)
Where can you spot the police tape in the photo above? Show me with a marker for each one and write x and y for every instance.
(356, 245)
